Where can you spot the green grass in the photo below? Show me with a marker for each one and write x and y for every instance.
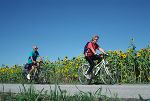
(31, 94)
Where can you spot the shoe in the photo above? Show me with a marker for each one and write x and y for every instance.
(28, 76)
(87, 76)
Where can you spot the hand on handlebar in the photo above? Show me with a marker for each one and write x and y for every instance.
(42, 62)
(107, 54)
(103, 54)
(97, 54)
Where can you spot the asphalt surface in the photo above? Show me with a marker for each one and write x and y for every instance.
(119, 91)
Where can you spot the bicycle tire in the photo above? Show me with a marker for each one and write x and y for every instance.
(81, 73)
(109, 74)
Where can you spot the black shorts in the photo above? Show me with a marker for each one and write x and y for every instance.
(30, 65)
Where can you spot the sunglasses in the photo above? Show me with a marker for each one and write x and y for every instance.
(95, 39)
(35, 48)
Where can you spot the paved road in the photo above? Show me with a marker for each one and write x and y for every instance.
(122, 91)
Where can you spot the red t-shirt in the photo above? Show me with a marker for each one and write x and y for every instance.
(89, 52)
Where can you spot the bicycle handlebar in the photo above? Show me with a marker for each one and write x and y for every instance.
(104, 55)
(42, 62)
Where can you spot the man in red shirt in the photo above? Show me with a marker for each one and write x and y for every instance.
(91, 55)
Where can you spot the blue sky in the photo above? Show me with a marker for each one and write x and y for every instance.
(62, 27)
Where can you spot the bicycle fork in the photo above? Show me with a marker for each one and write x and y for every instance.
(106, 69)
(108, 73)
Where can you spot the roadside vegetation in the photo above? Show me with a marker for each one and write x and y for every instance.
(133, 67)
(31, 94)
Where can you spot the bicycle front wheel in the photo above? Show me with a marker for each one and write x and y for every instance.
(43, 77)
(81, 73)
(109, 74)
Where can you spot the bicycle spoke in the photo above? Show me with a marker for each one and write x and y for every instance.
(109, 74)
(82, 71)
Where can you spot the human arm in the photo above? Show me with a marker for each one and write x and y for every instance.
(40, 59)
(92, 49)
(101, 50)
(32, 59)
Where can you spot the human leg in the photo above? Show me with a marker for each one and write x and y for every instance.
(32, 68)
(97, 57)
(38, 67)
(91, 62)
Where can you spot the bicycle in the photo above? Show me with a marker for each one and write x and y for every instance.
(37, 76)
(106, 71)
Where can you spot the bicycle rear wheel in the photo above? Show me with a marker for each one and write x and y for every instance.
(109, 74)
(81, 73)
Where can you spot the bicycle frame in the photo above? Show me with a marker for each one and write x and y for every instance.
(99, 66)
(103, 70)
